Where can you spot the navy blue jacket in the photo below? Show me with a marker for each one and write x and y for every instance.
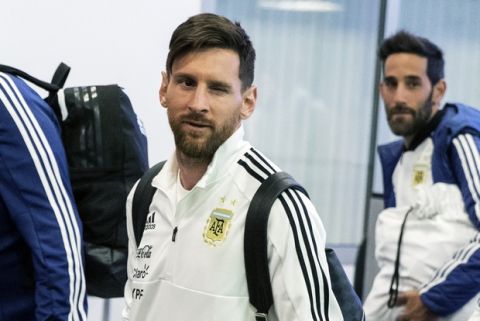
(41, 271)
(461, 281)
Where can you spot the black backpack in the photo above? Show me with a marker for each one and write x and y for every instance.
(255, 244)
(107, 154)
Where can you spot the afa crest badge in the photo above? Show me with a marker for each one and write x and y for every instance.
(217, 226)
(420, 173)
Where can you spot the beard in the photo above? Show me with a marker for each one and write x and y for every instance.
(202, 145)
(420, 118)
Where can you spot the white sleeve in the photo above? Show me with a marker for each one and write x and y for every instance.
(297, 262)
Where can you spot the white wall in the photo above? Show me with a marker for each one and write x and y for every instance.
(124, 42)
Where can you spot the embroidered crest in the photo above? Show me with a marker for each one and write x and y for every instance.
(419, 174)
(217, 226)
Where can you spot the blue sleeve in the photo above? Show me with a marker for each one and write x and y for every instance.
(37, 198)
(459, 280)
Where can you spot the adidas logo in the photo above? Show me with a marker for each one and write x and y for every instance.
(150, 224)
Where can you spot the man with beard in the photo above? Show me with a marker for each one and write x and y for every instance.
(427, 246)
(189, 264)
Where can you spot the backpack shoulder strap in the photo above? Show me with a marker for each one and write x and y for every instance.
(60, 75)
(142, 198)
(58, 80)
(57, 83)
(255, 240)
(256, 258)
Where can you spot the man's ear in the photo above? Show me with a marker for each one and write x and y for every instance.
(163, 89)
(249, 100)
(439, 91)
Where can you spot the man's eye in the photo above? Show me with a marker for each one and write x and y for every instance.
(219, 89)
(390, 83)
(185, 82)
(412, 84)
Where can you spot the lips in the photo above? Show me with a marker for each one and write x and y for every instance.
(400, 111)
(197, 123)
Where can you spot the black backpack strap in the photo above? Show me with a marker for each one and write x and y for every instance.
(40, 83)
(255, 240)
(58, 80)
(142, 198)
(256, 258)
(60, 76)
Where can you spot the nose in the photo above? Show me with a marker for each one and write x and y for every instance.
(400, 95)
(199, 100)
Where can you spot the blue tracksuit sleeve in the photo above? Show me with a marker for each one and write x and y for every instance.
(458, 281)
(38, 205)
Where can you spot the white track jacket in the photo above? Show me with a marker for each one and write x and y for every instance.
(436, 228)
(190, 265)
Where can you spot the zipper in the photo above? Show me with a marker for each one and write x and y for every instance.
(174, 234)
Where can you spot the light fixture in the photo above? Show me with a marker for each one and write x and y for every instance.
(300, 5)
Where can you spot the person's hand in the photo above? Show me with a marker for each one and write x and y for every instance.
(414, 310)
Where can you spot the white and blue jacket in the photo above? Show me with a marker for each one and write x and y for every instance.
(455, 160)
(40, 233)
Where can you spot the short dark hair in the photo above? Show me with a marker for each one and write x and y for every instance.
(205, 31)
(405, 42)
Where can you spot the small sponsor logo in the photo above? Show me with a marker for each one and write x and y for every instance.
(137, 294)
(150, 224)
(144, 252)
(140, 273)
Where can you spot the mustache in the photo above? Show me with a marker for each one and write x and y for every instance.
(196, 118)
(400, 109)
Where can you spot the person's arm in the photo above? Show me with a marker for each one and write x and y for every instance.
(35, 187)
(298, 267)
(458, 280)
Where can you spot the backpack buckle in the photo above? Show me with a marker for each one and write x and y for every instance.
(261, 316)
